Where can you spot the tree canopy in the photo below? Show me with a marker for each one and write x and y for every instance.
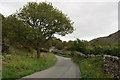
(45, 20)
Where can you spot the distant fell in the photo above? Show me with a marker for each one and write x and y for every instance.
(111, 40)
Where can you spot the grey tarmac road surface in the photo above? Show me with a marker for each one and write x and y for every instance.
(63, 68)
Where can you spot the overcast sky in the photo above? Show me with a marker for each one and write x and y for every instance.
(91, 18)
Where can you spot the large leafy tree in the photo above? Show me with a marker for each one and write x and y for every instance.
(16, 32)
(45, 20)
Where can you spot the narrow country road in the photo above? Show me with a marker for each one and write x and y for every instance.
(63, 68)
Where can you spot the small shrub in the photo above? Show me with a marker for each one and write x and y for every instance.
(80, 46)
(43, 50)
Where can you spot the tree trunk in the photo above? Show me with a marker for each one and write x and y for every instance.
(31, 54)
(38, 53)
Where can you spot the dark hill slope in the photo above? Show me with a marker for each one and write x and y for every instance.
(111, 40)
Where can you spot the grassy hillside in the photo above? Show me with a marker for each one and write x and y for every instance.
(111, 40)
(16, 66)
(91, 67)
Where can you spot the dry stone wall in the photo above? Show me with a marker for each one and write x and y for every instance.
(111, 64)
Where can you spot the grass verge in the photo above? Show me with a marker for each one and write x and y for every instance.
(91, 67)
(15, 66)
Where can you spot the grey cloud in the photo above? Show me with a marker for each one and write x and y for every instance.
(91, 19)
